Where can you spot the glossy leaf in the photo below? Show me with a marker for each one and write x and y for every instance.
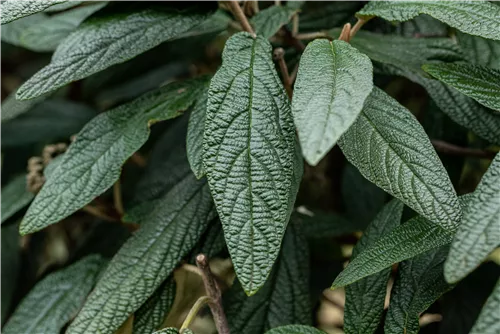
(104, 41)
(170, 227)
(93, 161)
(333, 81)
(14, 9)
(249, 156)
(364, 303)
(478, 82)
(479, 231)
(194, 138)
(489, 318)
(420, 282)
(295, 329)
(268, 21)
(391, 149)
(15, 196)
(478, 18)
(55, 299)
(479, 51)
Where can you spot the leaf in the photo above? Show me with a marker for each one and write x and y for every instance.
(170, 227)
(249, 140)
(479, 18)
(284, 298)
(55, 299)
(422, 26)
(11, 265)
(268, 21)
(93, 161)
(333, 81)
(479, 51)
(320, 224)
(316, 16)
(295, 329)
(15, 196)
(15, 9)
(152, 313)
(479, 231)
(194, 138)
(420, 282)
(390, 148)
(47, 121)
(489, 319)
(170, 330)
(104, 41)
(364, 303)
(12, 108)
(478, 82)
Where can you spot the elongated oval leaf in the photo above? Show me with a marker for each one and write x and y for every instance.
(194, 138)
(295, 329)
(479, 51)
(479, 231)
(333, 81)
(93, 161)
(478, 18)
(15, 9)
(489, 318)
(478, 82)
(268, 21)
(249, 152)
(56, 299)
(12, 108)
(15, 196)
(105, 41)
(170, 227)
(391, 149)
(364, 303)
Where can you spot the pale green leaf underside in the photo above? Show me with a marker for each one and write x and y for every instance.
(478, 18)
(12, 108)
(391, 149)
(268, 21)
(479, 231)
(478, 82)
(249, 153)
(489, 318)
(93, 161)
(55, 299)
(295, 329)
(480, 51)
(168, 232)
(194, 137)
(333, 81)
(15, 196)
(364, 303)
(105, 41)
(14, 9)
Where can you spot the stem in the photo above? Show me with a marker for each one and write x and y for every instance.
(277, 2)
(213, 291)
(94, 211)
(292, 41)
(356, 27)
(192, 269)
(255, 5)
(346, 33)
(447, 148)
(279, 57)
(293, 76)
(194, 311)
(138, 159)
(312, 35)
(295, 24)
(238, 13)
(117, 198)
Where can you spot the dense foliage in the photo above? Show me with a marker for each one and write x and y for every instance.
(293, 167)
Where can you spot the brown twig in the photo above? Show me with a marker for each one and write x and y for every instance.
(447, 148)
(279, 54)
(95, 211)
(293, 76)
(295, 24)
(238, 13)
(289, 39)
(312, 35)
(138, 159)
(346, 33)
(214, 292)
(356, 27)
(117, 198)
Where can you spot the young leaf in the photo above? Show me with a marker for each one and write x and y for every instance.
(15, 9)
(249, 156)
(333, 81)
(364, 303)
(478, 82)
(104, 41)
(420, 283)
(479, 51)
(194, 138)
(295, 329)
(55, 299)
(15, 196)
(479, 231)
(170, 227)
(268, 21)
(489, 318)
(478, 18)
(93, 161)
(391, 149)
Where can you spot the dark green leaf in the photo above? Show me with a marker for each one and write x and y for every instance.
(319, 224)
(489, 318)
(295, 329)
(11, 265)
(317, 15)
(194, 138)
(333, 81)
(14, 9)
(93, 161)
(249, 156)
(480, 51)
(15, 196)
(11, 108)
(268, 21)
(364, 303)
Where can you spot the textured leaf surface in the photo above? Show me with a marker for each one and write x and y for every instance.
(478, 18)
(104, 41)
(56, 299)
(391, 149)
(364, 303)
(479, 231)
(420, 282)
(268, 21)
(249, 152)
(12, 108)
(15, 196)
(93, 161)
(284, 299)
(15, 9)
(489, 318)
(478, 82)
(194, 138)
(480, 51)
(333, 81)
(295, 329)
(169, 229)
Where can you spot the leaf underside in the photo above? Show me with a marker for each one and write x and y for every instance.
(14, 9)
